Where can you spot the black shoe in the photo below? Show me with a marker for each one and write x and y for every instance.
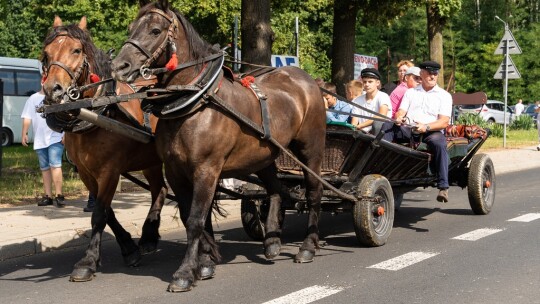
(60, 201)
(88, 208)
(45, 201)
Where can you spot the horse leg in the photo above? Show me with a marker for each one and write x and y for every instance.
(130, 251)
(150, 231)
(272, 241)
(207, 264)
(204, 184)
(313, 196)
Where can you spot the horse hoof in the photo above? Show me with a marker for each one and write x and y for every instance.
(133, 259)
(304, 256)
(271, 251)
(81, 275)
(180, 285)
(208, 272)
(148, 248)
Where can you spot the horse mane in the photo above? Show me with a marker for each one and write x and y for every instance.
(98, 59)
(199, 47)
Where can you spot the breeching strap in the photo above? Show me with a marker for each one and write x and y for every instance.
(222, 104)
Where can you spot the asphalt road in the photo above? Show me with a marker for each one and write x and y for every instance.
(437, 253)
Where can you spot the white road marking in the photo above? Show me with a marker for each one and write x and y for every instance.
(405, 260)
(307, 295)
(529, 217)
(477, 234)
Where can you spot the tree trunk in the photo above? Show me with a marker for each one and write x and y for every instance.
(257, 34)
(435, 24)
(343, 42)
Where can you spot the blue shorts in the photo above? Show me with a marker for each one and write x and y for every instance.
(51, 156)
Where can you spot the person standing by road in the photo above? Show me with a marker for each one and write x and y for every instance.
(519, 107)
(428, 108)
(537, 110)
(49, 148)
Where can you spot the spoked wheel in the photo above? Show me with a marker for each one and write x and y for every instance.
(374, 212)
(481, 184)
(254, 215)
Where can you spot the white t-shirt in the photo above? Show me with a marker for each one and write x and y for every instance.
(381, 98)
(425, 107)
(43, 135)
(519, 108)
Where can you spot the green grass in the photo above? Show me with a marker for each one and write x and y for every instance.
(514, 139)
(21, 178)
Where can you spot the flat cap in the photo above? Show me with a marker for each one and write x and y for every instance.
(413, 71)
(431, 66)
(370, 73)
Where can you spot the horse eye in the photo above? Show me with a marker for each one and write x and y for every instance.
(77, 51)
(156, 31)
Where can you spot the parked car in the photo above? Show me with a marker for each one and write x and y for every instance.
(492, 111)
(529, 110)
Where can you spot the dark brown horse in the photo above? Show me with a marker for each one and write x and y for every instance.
(206, 142)
(71, 60)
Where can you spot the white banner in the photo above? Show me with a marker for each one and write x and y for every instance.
(362, 61)
(284, 60)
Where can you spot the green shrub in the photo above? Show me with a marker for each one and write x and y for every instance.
(471, 119)
(497, 130)
(522, 122)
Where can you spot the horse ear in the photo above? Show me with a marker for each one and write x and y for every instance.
(143, 3)
(164, 4)
(57, 21)
(83, 23)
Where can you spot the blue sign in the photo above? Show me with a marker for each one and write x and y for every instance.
(283, 60)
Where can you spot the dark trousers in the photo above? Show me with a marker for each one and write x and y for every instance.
(436, 142)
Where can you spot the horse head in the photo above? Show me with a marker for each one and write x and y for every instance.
(70, 60)
(159, 37)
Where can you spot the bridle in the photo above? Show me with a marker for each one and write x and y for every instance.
(73, 91)
(144, 70)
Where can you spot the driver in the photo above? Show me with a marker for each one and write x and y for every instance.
(427, 108)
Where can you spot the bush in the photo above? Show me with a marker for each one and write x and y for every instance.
(497, 130)
(522, 122)
(471, 119)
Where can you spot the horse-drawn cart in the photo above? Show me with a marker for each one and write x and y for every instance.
(377, 173)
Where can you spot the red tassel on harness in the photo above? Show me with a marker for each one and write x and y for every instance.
(173, 62)
(94, 78)
(246, 81)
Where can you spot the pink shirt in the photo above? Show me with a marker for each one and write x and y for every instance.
(396, 96)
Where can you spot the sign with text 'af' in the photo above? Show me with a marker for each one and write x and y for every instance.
(362, 61)
(284, 60)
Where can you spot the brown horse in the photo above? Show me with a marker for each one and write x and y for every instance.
(206, 142)
(71, 60)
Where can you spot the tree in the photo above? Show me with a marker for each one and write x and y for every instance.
(343, 42)
(438, 13)
(257, 34)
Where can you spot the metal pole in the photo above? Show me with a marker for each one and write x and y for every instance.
(505, 76)
(236, 67)
(296, 36)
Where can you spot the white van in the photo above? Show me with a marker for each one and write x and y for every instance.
(21, 78)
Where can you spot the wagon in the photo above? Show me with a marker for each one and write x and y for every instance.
(377, 173)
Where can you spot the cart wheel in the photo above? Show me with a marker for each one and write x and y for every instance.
(398, 199)
(374, 212)
(481, 184)
(254, 215)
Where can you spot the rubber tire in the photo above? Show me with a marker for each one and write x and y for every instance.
(6, 136)
(372, 230)
(481, 198)
(254, 214)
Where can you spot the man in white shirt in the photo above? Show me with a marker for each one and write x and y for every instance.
(49, 148)
(428, 107)
(519, 107)
(373, 100)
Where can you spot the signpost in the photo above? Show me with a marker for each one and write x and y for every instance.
(507, 70)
